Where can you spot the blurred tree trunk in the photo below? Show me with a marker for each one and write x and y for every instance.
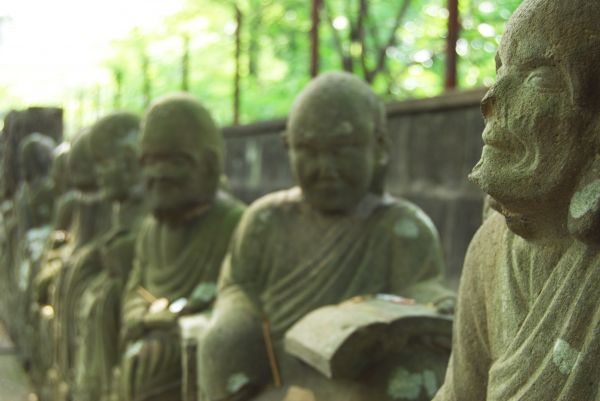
(238, 55)
(452, 39)
(254, 24)
(364, 41)
(314, 37)
(146, 81)
(117, 74)
(185, 63)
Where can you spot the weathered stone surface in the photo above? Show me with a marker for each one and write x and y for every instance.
(335, 236)
(73, 264)
(180, 247)
(361, 332)
(413, 173)
(19, 124)
(97, 349)
(528, 313)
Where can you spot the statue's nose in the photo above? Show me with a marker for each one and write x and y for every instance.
(488, 103)
(327, 167)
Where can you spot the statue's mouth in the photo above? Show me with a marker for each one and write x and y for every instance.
(498, 138)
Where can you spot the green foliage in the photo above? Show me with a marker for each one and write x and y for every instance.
(275, 51)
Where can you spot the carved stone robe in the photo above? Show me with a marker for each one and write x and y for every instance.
(287, 259)
(97, 349)
(170, 262)
(91, 221)
(527, 324)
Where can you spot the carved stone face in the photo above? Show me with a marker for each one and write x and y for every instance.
(82, 172)
(539, 129)
(175, 180)
(181, 153)
(337, 142)
(36, 156)
(333, 158)
(114, 145)
(118, 174)
(60, 167)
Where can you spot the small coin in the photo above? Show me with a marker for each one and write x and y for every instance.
(159, 305)
(178, 305)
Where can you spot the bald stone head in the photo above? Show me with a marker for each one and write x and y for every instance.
(60, 168)
(337, 142)
(181, 153)
(82, 173)
(542, 114)
(114, 146)
(36, 156)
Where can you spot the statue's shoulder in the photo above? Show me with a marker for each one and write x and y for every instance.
(405, 217)
(228, 204)
(268, 211)
(276, 202)
(487, 249)
(490, 234)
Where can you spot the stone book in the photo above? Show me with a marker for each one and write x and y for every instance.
(340, 341)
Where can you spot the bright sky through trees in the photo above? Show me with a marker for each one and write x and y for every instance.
(92, 56)
(48, 48)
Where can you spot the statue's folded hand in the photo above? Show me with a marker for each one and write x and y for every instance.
(162, 320)
(133, 330)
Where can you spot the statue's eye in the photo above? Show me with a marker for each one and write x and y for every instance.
(545, 78)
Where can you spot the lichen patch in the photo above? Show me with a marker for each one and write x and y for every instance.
(564, 356)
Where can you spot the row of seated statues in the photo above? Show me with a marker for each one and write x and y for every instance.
(131, 273)
(127, 238)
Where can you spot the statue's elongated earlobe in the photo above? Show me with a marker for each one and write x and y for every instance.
(584, 209)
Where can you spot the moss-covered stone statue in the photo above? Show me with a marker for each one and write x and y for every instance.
(34, 206)
(36, 195)
(180, 247)
(72, 266)
(64, 194)
(334, 237)
(527, 318)
(114, 147)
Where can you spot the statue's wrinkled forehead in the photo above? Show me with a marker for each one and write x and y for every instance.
(179, 123)
(557, 30)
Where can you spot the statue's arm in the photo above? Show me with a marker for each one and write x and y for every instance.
(233, 344)
(467, 374)
(241, 268)
(135, 306)
(417, 266)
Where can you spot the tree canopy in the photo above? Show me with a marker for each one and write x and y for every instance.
(247, 59)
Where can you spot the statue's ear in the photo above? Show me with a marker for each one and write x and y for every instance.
(584, 209)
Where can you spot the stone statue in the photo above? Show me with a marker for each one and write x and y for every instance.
(527, 318)
(34, 206)
(64, 193)
(36, 195)
(114, 147)
(78, 260)
(334, 237)
(65, 199)
(180, 247)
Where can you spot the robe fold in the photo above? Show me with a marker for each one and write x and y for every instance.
(99, 318)
(170, 262)
(287, 259)
(91, 221)
(528, 323)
